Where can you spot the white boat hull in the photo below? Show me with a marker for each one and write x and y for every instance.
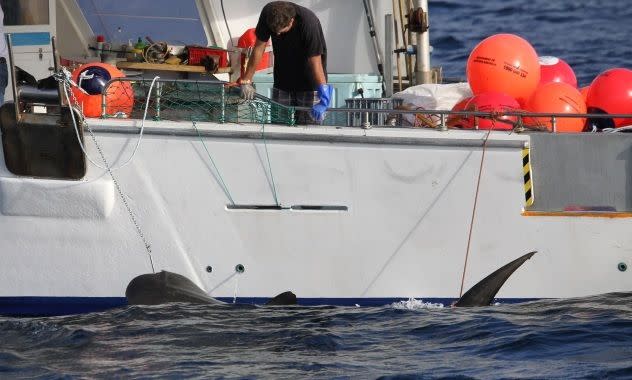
(394, 221)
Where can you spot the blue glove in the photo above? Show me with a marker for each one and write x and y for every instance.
(325, 93)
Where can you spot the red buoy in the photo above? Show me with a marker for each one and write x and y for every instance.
(504, 63)
(554, 69)
(492, 102)
(611, 93)
(557, 97)
(458, 121)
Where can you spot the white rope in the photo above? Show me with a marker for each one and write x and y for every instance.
(67, 82)
(619, 129)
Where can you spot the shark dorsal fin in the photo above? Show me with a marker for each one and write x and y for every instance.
(484, 292)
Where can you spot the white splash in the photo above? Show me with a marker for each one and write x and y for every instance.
(236, 287)
(413, 304)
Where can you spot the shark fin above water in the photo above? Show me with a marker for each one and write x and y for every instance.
(484, 292)
(165, 287)
(283, 299)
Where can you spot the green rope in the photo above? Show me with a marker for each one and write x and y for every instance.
(265, 144)
(221, 180)
(256, 109)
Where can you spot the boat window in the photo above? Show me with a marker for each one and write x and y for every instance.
(176, 23)
(25, 12)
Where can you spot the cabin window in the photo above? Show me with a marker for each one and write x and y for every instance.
(25, 12)
(177, 23)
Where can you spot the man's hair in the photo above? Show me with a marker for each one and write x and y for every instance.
(281, 12)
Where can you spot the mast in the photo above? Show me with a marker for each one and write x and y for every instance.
(418, 22)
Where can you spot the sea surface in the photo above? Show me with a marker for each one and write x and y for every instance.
(590, 35)
(564, 339)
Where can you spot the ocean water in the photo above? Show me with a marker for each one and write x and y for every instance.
(565, 339)
(590, 35)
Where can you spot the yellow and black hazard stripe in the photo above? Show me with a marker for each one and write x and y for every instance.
(528, 179)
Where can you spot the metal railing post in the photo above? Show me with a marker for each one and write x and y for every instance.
(14, 82)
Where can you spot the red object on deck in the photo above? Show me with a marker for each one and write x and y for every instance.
(557, 97)
(554, 69)
(196, 53)
(119, 97)
(504, 63)
(493, 102)
(248, 40)
(611, 92)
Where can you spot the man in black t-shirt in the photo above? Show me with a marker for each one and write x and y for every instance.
(300, 58)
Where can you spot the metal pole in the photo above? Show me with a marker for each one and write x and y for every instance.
(14, 82)
(405, 41)
(388, 55)
(57, 65)
(222, 117)
(376, 47)
(397, 21)
(423, 71)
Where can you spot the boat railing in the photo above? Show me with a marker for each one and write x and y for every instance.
(220, 102)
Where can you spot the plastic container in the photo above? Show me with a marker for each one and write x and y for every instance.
(196, 53)
(140, 45)
(365, 119)
(345, 86)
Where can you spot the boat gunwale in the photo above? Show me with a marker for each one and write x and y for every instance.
(315, 133)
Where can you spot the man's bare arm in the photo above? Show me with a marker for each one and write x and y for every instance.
(316, 65)
(255, 58)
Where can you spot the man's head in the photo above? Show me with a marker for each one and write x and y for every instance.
(281, 18)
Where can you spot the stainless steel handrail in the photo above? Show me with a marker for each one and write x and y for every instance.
(442, 114)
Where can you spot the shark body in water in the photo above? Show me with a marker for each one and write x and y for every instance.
(166, 287)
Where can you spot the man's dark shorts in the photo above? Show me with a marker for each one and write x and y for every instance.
(297, 99)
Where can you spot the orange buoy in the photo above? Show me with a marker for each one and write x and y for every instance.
(496, 102)
(557, 97)
(458, 121)
(92, 78)
(584, 92)
(504, 63)
(611, 93)
(554, 69)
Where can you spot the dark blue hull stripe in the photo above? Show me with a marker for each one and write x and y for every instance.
(50, 306)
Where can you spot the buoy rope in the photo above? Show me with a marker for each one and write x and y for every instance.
(64, 77)
(221, 179)
(478, 184)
